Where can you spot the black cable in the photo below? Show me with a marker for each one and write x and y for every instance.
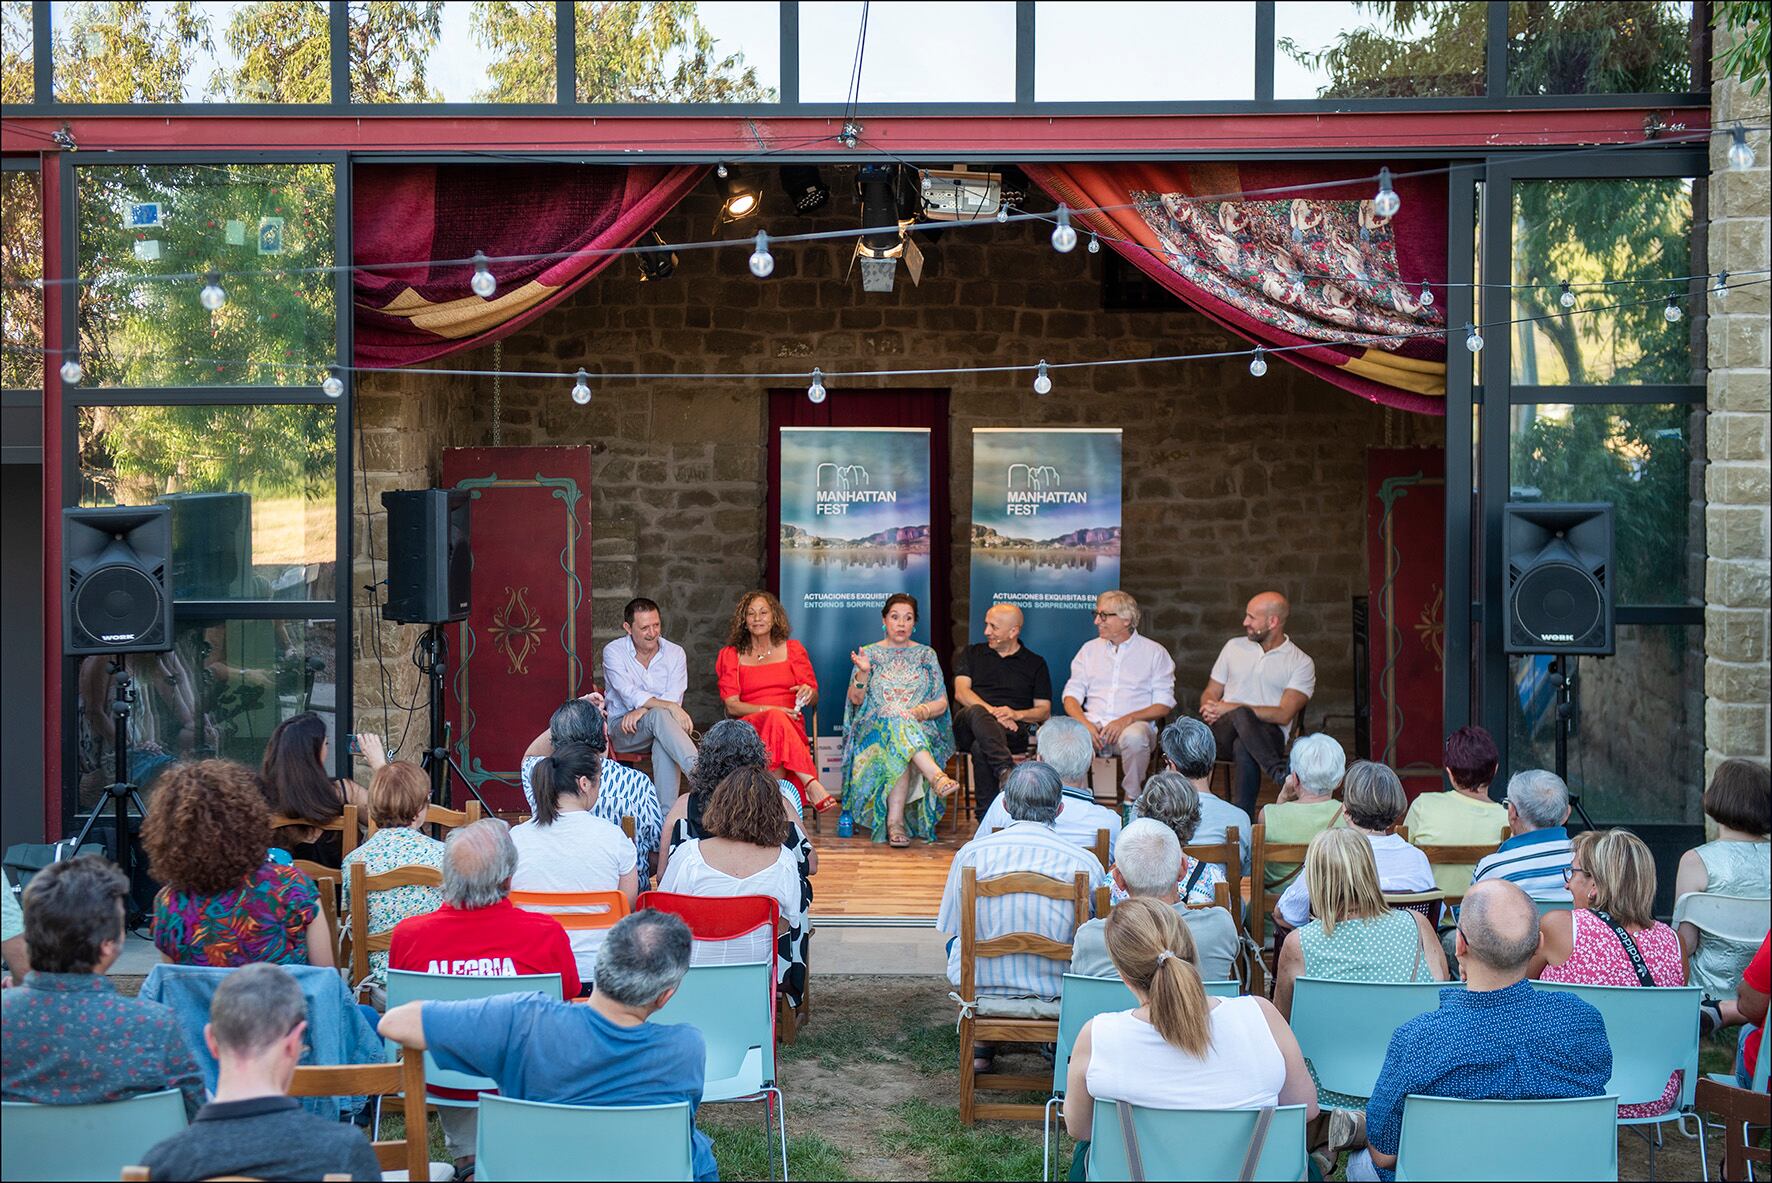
(387, 685)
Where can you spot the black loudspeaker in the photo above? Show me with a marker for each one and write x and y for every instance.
(428, 557)
(212, 545)
(1559, 577)
(115, 592)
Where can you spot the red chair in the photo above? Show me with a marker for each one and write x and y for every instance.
(714, 919)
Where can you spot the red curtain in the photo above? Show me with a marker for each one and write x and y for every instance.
(404, 213)
(1315, 268)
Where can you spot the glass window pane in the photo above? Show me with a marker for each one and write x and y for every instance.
(1182, 51)
(422, 51)
(277, 327)
(1600, 47)
(1642, 458)
(219, 692)
(728, 51)
(1636, 746)
(21, 261)
(1631, 233)
(1370, 49)
(18, 74)
(252, 490)
(211, 51)
(959, 52)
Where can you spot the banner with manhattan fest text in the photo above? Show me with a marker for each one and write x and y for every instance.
(854, 530)
(1045, 534)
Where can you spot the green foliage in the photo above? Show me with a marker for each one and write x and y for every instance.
(391, 43)
(128, 51)
(16, 70)
(1409, 48)
(21, 260)
(139, 453)
(632, 52)
(1746, 60)
(283, 53)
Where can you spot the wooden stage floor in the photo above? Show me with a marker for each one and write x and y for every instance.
(860, 878)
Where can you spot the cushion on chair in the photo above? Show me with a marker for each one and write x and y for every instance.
(1023, 1006)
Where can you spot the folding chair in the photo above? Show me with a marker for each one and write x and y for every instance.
(1008, 1019)
(363, 942)
(731, 930)
(410, 1154)
(85, 1141)
(1344, 1029)
(1571, 1140)
(439, 821)
(541, 1141)
(1261, 897)
(1187, 1144)
(1230, 854)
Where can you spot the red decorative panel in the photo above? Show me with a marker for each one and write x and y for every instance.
(1406, 577)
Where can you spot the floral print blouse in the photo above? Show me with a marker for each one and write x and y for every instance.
(395, 846)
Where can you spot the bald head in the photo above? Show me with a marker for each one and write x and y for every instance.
(1265, 617)
(1002, 627)
(478, 862)
(1499, 924)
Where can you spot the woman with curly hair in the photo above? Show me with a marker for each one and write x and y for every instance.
(766, 679)
(225, 902)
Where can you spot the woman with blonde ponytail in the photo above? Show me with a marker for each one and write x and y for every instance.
(1179, 1048)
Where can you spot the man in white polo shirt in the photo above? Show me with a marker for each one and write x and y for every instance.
(1260, 685)
(1121, 685)
(644, 679)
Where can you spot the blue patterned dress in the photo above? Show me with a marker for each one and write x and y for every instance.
(881, 737)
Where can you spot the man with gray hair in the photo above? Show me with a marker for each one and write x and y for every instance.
(1537, 854)
(257, 1031)
(1190, 749)
(1122, 685)
(1499, 1039)
(622, 789)
(1066, 748)
(1148, 865)
(606, 1053)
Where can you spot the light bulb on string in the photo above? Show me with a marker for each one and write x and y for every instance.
(483, 284)
(815, 393)
(1673, 312)
(1064, 238)
(1003, 212)
(1094, 243)
(1042, 380)
(721, 171)
(212, 296)
(1386, 203)
(1258, 363)
(1567, 299)
(762, 262)
(1427, 295)
(1473, 340)
(581, 388)
(1721, 291)
(71, 370)
(1741, 153)
(333, 385)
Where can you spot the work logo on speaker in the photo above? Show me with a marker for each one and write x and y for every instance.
(854, 529)
(1045, 532)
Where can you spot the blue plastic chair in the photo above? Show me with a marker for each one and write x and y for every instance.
(542, 1141)
(85, 1141)
(1547, 904)
(729, 1005)
(1187, 1144)
(1344, 1028)
(406, 985)
(1572, 1140)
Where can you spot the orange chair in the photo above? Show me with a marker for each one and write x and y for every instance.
(612, 905)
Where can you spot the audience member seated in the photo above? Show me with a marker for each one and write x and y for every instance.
(646, 677)
(1002, 691)
(728, 746)
(1148, 866)
(1497, 1040)
(1737, 862)
(12, 936)
(68, 1037)
(1121, 686)
(1536, 857)
(225, 902)
(1256, 695)
(766, 679)
(1462, 815)
(1751, 999)
(1190, 750)
(1032, 795)
(1612, 880)
(1168, 798)
(622, 790)
(1178, 1048)
(253, 1129)
(605, 1053)
(297, 783)
(567, 847)
(1374, 801)
(1355, 936)
(747, 848)
(399, 794)
(1066, 748)
(1307, 804)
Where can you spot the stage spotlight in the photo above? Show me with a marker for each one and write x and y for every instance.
(883, 204)
(656, 265)
(737, 200)
(805, 188)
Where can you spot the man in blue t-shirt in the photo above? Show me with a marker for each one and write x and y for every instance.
(541, 1049)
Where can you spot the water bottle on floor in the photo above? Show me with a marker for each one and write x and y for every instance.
(845, 825)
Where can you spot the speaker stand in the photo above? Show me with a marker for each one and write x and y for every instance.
(120, 792)
(1562, 676)
(432, 657)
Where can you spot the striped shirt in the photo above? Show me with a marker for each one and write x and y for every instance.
(1079, 819)
(1533, 861)
(1021, 846)
(622, 791)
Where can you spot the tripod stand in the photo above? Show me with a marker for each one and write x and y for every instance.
(432, 658)
(121, 791)
(1562, 676)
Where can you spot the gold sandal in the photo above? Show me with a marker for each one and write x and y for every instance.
(946, 786)
(897, 837)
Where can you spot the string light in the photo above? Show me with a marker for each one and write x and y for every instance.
(581, 388)
(1741, 153)
(71, 370)
(1064, 239)
(1473, 340)
(762, 262)
(850, 136)
(1567, 299)
(1427, 295)
(1042, 380)
(483, 284)
(1094, 243)
(721, 171)
(1258, 363)
(1002, 212)
(212, 296)
(1386, 203)
(1721, 291)
(333, 385)
(1672, 311)
(815, 393)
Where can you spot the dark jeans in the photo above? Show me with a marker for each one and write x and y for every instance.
(1254, 747)
(977, 732)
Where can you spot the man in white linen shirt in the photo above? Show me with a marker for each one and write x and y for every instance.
(1066, 748)
(644, 680)
(1121, 685)
(1260, 685)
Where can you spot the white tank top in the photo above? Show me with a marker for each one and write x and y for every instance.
(1243, 1069)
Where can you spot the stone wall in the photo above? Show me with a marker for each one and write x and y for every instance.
(1232, 484)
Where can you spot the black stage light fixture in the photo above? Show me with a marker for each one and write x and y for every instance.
(805, 188)
(737, 200)
(659, 264)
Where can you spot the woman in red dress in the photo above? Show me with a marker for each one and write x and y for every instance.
(767, 680)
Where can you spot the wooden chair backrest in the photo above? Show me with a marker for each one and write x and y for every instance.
(613, 903)
(441, 819)
(1261, 852)
(328, 880)
(1229, 852)
(1428, 903)
(363, 942)
(345, 825)
(405, 1076)
(627, 825)
(973, 889)
(1103, 844)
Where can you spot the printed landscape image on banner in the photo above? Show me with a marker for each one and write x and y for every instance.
(854, 529)
(1045, 533)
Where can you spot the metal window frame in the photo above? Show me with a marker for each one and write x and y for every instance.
(336, 610)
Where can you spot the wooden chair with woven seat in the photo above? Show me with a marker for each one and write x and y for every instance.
(329, 881)
(1428, 903)
(1262, 897)
(1229, 854)
(977, 1022)
(364, 942)
(440, 820)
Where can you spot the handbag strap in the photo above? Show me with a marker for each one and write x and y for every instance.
(1257, 1140)
(1630, 947)
(1129, 1137)
(1199, 870)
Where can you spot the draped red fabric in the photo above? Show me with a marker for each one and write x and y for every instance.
(1315, 268)
(409, 212)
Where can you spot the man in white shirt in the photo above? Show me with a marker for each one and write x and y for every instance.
(1121, 685)
(644, 680)
(1259, 687)
(1066, 747)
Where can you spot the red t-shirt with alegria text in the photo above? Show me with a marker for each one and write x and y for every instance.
(500, 941)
